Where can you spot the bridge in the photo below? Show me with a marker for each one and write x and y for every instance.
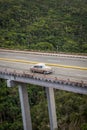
(20, 77)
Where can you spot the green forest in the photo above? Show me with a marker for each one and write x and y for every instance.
(43, 25)
(57, 25)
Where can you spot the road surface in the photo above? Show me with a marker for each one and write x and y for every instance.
(65, 67)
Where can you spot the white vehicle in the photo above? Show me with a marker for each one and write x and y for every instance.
(41, 68)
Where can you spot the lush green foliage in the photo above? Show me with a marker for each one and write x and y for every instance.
(61, 23)
(71, 109)
(10, 113)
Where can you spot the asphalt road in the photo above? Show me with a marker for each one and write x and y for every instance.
(61, 72)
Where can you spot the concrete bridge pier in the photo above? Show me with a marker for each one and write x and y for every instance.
(25, 108)
(51, 108)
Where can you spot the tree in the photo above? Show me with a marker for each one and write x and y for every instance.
(70, 46)
(44, 46)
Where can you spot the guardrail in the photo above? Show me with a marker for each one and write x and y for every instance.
(46, 53)
(42, 77)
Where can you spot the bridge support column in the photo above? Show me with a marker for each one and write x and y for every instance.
(25, 107)
(51, 108)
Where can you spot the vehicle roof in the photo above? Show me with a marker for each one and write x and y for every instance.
(42, 64)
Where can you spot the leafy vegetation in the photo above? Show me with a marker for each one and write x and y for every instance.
(60, 23)
(10, 113)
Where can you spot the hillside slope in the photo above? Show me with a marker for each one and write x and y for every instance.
(62, 23)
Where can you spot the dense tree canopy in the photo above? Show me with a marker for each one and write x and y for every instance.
(58, 22)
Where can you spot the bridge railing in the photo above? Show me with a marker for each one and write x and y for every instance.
(43, 77)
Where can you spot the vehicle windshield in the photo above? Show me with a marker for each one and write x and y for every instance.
(38, 66)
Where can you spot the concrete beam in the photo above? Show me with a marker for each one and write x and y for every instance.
(11, 83)
(25, 107)
(51, 108)
(66, 87)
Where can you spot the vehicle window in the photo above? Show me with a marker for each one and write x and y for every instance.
(35, 66)
(40, 66)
